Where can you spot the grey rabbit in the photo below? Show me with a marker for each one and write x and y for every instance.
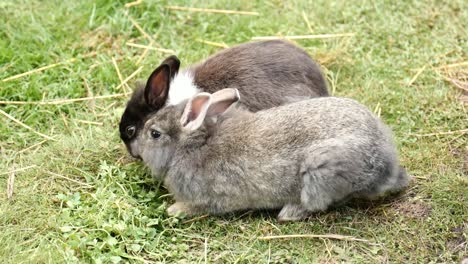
(267, 73)
(302, 157)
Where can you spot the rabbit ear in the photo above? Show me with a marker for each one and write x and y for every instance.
(195, 111)
(222, 100)
(174, 64)
(157, 87)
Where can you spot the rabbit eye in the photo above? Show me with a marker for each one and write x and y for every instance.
(130, 130)
(155, 134)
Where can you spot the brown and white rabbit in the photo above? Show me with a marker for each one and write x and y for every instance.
(268, 74)
(301, 157)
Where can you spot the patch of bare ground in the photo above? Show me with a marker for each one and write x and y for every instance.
(102, 40)
(413, 208)
(460, 152)
(457, 242)
(458, 77)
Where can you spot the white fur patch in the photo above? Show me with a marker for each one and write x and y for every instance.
(182, 88)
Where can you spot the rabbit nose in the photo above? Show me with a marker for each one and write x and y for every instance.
(136, 156)
(133, 150)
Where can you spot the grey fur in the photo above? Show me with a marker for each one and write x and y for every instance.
(301, 157)
(267, 73)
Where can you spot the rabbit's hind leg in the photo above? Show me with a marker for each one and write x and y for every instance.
(331, 174)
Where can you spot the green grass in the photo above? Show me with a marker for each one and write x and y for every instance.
(86, 201)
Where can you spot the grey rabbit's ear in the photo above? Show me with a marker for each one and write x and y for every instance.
(157, 86)
(222, 100)
(195, 111)
(205, 105)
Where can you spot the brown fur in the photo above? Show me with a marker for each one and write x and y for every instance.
(268, 74)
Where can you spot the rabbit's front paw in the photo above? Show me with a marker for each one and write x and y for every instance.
(292, 212)
(179, 209)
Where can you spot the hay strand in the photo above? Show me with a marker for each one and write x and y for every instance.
(307, 21)
(134, 3)
(114, 62)
(74, 100)
(453, 65)
(329, 236)
(89, 122)
(206, 250)
(415, 77)
(319, 36)
(18, 170)
(216, 11)
(25, 126)
(14, 77)
(143, 54)
(33, 146)
(129, 78)
(195, 219)
(457, 83)
(459, 79)
(150, 48)
(89, 93)
(68, 179)
(462, 131)
(63, 101)
(212, 43)
(138, 27)
(378, 109)
(10, 184)
(37, 70)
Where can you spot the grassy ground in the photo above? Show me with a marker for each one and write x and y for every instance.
(86, 201)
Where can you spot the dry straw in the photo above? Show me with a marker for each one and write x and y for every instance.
(307, 22)
(329, 236)
(212, 43)
(461, 131)
(33, 146)
(216, 11)
(453, 65)
(18, 170)
(150, 48)
(114, 62)
(319, 36)
(138, 27)
(135, 3)
(68, 179)
(63, 101)
(89, 122)
(74, 100)
(10, 184)
(149, 38)
(415, 77)
(195, 219)
(46, 67)
(89, 93)
(24, 125)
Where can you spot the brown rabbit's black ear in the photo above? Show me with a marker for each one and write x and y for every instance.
(174, 64)
(157, 87)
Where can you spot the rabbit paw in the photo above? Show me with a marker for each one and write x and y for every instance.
(179, 209)
(292, 212)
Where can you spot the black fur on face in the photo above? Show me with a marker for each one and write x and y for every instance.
(134, 116)
(268, 74)
(147, 100)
